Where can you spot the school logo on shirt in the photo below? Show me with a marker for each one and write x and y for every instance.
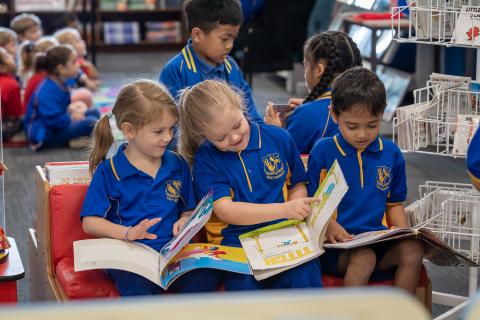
(172, 190)
(273, 166)
(383, 177)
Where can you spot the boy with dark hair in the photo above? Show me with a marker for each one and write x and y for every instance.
(214, 26)
(375, 173)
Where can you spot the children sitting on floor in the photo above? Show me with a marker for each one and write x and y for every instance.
(52, 120)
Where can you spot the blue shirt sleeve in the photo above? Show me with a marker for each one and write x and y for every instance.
(316, 164)
(170, 77)
(188, 195)
(51, 106)
(96, 201)
(473, 156)
(296, 127)
(398, 186)
(206, 176)
(295, 164)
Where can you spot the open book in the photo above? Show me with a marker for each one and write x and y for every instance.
(435, 250)
(287, 244)
(173, 260)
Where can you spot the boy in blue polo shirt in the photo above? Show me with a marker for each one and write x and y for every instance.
(375, 173)
(214, 26)
(473, 160)
(144, 193)
(255, 172)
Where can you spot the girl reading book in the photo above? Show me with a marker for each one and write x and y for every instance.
(144, 193)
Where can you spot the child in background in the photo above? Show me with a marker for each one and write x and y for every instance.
(32, 73)
(11, 102)
(473, 160)
(27, 26)
(327, 54)
(72, 37)
(51, 119)
(214, 26)
(375, 173)
(255, 171)
(127, 198)
(8, 41)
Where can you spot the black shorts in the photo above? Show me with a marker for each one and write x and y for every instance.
(329, 261)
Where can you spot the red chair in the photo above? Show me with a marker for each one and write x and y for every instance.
(57, 226)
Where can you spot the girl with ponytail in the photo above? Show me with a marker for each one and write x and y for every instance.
(326, 55)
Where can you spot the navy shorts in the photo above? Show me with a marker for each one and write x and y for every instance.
(132, 284)
(329, 261)
(307, 275)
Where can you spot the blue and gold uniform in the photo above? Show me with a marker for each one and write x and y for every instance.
(186, 70)
(310, 122)
(269, 166)
(375, 176)
(473, 158)
(124, 195)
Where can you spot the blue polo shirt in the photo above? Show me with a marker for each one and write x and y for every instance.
(310, 122)
(262, 173)
(47, 111)
(375, 177)
(473, 157)
(124, 195)
(186, 70)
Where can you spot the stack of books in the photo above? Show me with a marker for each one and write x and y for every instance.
(70, 172)
(163, 32)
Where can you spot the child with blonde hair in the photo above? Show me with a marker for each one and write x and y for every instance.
(8, 40)
(127, 198)
(27, 26)
(72, 37)
(255, 172)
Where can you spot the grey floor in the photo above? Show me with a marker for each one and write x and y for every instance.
(122, 68)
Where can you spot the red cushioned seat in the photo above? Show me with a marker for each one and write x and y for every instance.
(65, 227)
(85, 284)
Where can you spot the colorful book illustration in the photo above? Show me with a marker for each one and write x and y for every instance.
(173, 260)
(279, 247)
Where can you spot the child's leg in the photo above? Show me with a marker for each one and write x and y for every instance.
(78, 129)
(132, 284)
(198, 280)
(307, 275)
(357, 265)
(239, 282)
(407, 256)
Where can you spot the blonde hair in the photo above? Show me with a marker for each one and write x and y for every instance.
(21, 23)
(30, 51)
(67, 35)
(4, 66)
(138, 103)
(198, 104)
(6, 36)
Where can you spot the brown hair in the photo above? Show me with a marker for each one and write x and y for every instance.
(55, 56)
(7, 35)
(197, 106)
(4, 66)
(138, 103)
(67, 35)
(21, 23)
(31, 50)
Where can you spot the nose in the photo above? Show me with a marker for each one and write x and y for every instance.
(362, 134)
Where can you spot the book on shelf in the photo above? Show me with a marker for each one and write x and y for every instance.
(70, 172)
(162, 267)
(435, 250)
(465, 129)
(282, 246)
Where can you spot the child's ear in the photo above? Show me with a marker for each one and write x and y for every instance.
(197, 35)
(334, 116)
(319, 70)
(128, 130)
